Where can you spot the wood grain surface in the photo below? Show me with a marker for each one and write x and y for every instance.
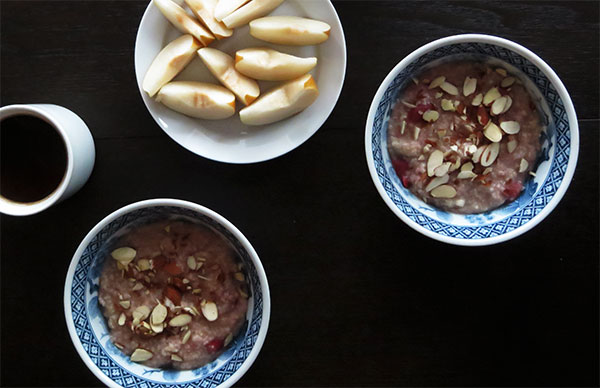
(358, 298)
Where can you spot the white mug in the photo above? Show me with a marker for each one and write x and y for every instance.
(80, 151)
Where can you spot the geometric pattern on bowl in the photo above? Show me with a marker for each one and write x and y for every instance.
(551, 166)
(93, 333)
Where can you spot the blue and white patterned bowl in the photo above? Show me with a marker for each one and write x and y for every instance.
(88, 328)
(554, 170)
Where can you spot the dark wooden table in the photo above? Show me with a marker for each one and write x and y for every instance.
(358, 298)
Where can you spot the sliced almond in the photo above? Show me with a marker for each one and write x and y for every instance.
(125, 303)
(467, 167)
(437, 181)
(466, 175)
(180, 320)
(168, 228)
(523, 165)
(441, 133)
(144, 264)
(228, 339)
(477, 154)
(455, 166)
(510, 127)
(141, 355)
(469, 86)
(498, 105)
(191, 262)
(460, 202)
(243, 294)
(417, 132)
(157, 328)
(431, 116)
(196, 291)
(176, 358)
(448, 105)
(439, 95)
(403, 127)
(511, 146)
(491, 96)
(186, 336)
(210, 311)
(493, 133)
(122, 319)
(239, 276)
(509, 102)
(443, 191)
(124, 255)
(159, 314)
(427, 148)
(449, 88)
(141, 313)
(471, 149)
(490, 154)
(477, 100)
(437, 82)
(442, 170)
(507, 82)
(436, 158)
(501, 71)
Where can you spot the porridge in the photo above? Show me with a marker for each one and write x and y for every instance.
(174, 294)
(464, 136)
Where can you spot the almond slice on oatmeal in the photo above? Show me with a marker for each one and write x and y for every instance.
(180, 320)
(437, 181)
(141, 355)
(469, 86)
(443, 191)
(523, 165)
(477, 100)
(493, 133)
(448, 105)
(501, 71)
(141, 313)
(507, 82)
(436, 158)
(477, 154)
(431, 116)
(122, 319)
(467, 167)
(491, 96)
(466, 174)
(511, 145)
(125, 304)
(449, 88)
(124, 255)
(437, 82)
(186, 336)
(442, 170)
(159, 314)
(191, 262)
(510, 127)
(509, 102)
(176, 358)
(210, 311)
(490, 154)
(498, 105)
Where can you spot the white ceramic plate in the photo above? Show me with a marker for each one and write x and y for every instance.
(229, 140)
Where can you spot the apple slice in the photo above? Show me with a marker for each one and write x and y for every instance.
(250, 11)
(222, 66)
(198, 99)
(226, 7)
(183, 22)
(270, 65)
(204, 10)
(169, 62)
(281, 102)
(290, 30)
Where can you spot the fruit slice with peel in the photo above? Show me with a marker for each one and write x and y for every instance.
(169, 62)
(222, 66)
(183, 22)
(266, 64)
(198, 99)
(290, 30)
(224, 8)
(204, 11)
(281, 102)
(250, 11)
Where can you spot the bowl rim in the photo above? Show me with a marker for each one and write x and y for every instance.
(266, 309)
(318, 124)
(554, 80)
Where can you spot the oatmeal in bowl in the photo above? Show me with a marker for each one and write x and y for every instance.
(472, 140)
(168, 293)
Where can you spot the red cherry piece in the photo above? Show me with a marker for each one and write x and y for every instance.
(214, 345)
(173, 269)
(415, 115)
(512, 190)
(173, 295)
(401, 167)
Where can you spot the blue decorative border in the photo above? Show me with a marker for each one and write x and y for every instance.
(85, 309)
(517, 213)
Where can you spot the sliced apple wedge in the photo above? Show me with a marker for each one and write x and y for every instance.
(183, 22)
(226, 7)
(270, 65)
(198, 99)
(281, 102)
(204, 11)
(250, 11)
(222, 66)
(290, 30)
(169, 62)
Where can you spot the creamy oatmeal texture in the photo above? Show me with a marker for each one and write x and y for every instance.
(173, 294)
(464, 136)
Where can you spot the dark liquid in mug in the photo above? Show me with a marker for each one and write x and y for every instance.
(33, 159)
